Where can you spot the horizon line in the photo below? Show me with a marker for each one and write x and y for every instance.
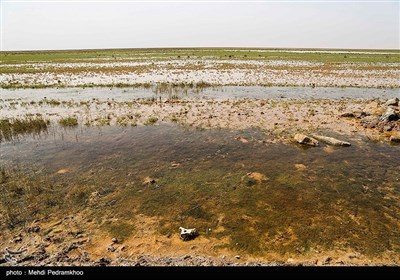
(197, 48)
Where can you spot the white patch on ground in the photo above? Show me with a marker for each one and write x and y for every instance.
(212, 71)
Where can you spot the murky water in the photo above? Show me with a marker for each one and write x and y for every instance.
(219, 93)
(295, 201)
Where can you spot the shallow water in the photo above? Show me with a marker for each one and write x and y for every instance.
(310, 199)
(220, 93)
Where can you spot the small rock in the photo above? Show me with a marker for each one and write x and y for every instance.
(353, 256)
(369, 121)
(328, 260)
(103, 261)
(332, 141)
(188, 234)
(243, 140)
(237, 257)
(306, 140)
(387, 128)
(253, 178)
(348, 115)
(395, 138)
(114, 240)
(174, 164)
(392, 102)
(95, 194)
(111, 248)
(300, 166)
(389, 115)
(33, 228)
(148, 180)
(17, 239)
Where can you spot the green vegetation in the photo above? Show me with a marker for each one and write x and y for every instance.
(151, 120)
(12, 128)
(68, 122)
(120, 230)
(218, 53)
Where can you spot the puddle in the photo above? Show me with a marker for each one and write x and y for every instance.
(218, 93)
(229, 184)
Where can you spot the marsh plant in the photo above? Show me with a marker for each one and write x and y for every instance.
(151, 120)
(68, 121)
(12, 128)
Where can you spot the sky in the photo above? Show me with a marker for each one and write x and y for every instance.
(33, 25)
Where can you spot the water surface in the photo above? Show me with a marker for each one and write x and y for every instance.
(221, 93)
(302, 200)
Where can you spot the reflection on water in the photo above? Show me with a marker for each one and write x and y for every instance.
(264, 197)
(220, 92)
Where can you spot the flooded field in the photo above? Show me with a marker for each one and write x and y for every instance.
(193, 92)
(106, 175)
(217, 67)
(251, 198)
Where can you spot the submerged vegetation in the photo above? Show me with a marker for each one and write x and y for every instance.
(12, 128)
(68, 121)
(264, 199)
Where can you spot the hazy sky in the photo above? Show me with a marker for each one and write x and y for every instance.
(32, 26)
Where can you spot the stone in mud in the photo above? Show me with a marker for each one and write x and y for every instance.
(332, 141)
(34, 228)
(389, 115)
(387, 128)
(305, 140)
(370, 121)
(348, 115)
(103, 261)
(327, 260)
(111, 248)
(188, 234)
(300, 166)
(395, 138)
(392, 102)
(148, 180)
(17, 239)
(253, 178)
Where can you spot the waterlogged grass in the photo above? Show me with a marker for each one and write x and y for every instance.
(68, 121)
(12, 128)
(151, 120)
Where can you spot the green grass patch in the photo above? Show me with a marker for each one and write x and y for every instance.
(339, 56)
(151, 120)
(13, 128)
(68, 122)
(120, 230)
